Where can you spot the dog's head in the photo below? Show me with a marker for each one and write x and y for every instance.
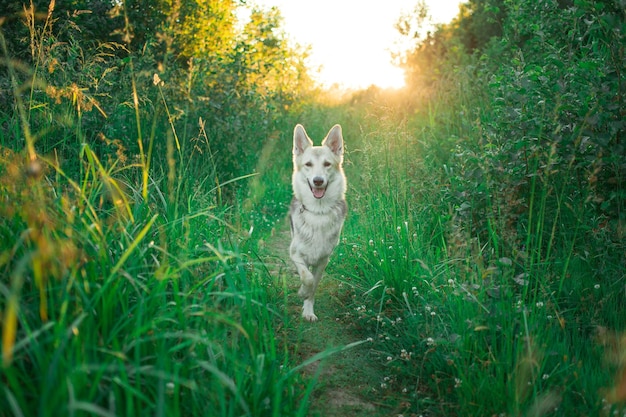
(318, 164)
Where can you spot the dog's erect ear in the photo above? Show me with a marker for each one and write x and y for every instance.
(300, 140)
(334, 140)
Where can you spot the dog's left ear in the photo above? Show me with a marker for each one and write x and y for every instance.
(334, 140)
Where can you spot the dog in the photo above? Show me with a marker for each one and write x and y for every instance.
(318, 208)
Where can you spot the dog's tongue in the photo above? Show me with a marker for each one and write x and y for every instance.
(318, 192)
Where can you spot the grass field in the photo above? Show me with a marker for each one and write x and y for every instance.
(470, 316)
(114, 303)
(143, 268)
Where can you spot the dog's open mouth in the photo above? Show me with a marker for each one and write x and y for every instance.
(318, 192)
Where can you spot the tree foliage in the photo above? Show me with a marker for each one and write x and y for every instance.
(543, 85)
(237, 76)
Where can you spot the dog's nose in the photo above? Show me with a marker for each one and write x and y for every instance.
(318, 181)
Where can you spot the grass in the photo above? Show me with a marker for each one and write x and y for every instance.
(114, 305)
(471, 316)
(130, 282)
(125, 289)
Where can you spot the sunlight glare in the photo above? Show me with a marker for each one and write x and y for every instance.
(352, 40)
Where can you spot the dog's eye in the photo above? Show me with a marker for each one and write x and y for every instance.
(326, 164)
(309, 164)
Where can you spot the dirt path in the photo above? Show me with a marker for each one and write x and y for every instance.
(348, 380)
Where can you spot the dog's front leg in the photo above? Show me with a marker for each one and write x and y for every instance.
(307, 290)
(306, 277)
(307, 281)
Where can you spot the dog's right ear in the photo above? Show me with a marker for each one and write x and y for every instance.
(300, 140)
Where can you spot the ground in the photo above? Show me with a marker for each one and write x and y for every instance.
(348, 380)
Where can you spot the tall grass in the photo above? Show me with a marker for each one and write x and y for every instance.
(487, 282)
(479, 304)
(124, 289)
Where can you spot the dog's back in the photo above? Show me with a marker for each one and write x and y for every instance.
(318, 208)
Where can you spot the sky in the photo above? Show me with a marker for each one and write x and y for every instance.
(352, 40)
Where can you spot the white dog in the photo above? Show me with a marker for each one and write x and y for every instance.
(317, 210)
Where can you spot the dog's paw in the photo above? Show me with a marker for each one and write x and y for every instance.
(309, 317)
(307, 311)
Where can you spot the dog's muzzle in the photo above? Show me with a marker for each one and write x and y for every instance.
(319, 187)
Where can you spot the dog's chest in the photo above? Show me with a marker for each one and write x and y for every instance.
(318, 232)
